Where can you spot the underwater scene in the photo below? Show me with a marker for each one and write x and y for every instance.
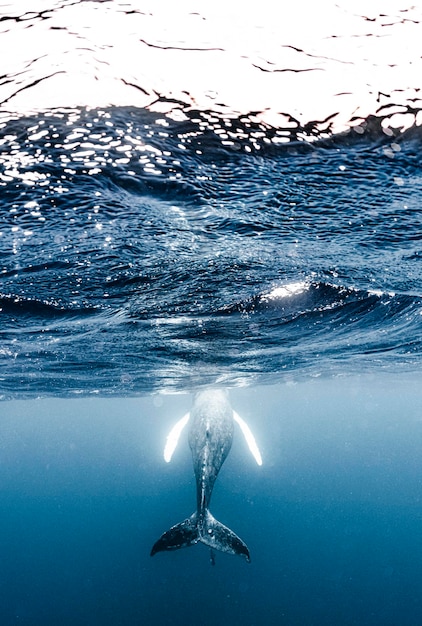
(210, 285)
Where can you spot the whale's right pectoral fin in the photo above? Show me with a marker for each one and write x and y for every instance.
(173, 437)
(250, 439)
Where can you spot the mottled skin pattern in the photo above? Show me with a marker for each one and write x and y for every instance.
(210, 440)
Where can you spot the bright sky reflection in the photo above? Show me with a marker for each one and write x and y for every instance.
(307, 60)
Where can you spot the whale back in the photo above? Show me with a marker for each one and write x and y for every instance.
(211, 432)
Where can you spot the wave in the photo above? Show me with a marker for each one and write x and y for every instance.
(186, 237)
(290, 331)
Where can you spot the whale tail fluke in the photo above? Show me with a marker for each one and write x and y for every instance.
(205, 529)
(217, 536)
(179, 536)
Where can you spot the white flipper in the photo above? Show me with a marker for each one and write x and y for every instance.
(173, 437)
(250, 439)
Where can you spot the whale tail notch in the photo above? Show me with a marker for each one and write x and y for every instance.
(205, 529)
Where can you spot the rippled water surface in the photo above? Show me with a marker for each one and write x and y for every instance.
(143, 253)
(191, 196)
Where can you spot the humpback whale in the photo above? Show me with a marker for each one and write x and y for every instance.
(211, 425)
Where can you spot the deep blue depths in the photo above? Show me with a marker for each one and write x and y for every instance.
(140, 253)
(332, 518)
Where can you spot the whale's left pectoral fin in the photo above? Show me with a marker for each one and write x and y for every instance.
(250, 439)
(173, 437)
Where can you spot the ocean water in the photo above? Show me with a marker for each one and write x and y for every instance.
(141, 254)
(227, 211)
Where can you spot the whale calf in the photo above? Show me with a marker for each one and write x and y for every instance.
(211, 426)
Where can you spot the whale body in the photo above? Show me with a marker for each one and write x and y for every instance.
(211, 426)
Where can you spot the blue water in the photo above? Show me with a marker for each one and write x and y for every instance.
(332, 518)
(143, 254)
(146, 255)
